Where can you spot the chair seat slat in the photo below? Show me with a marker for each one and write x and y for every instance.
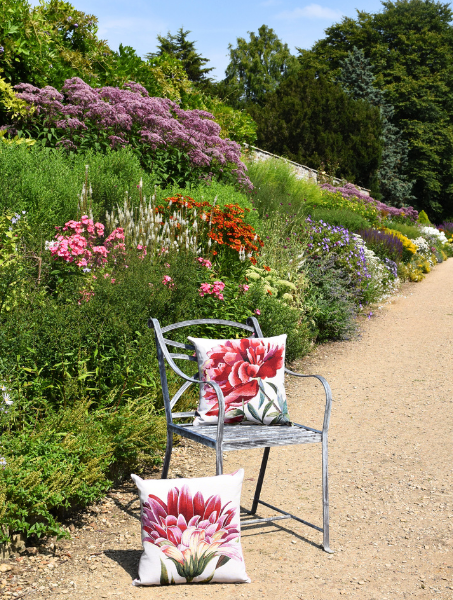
(236, 437)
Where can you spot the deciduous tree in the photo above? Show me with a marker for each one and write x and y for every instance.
(410, 44)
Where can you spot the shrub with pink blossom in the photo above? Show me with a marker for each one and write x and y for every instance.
(77, 242)
(177, 145)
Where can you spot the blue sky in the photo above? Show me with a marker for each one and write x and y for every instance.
(215, 24)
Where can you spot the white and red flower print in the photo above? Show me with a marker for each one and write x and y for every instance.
(250, 373)
(191, 531)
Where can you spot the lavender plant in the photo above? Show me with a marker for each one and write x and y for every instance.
(384, 245)
(179, 146)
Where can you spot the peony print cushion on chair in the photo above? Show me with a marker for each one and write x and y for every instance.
(191, 530)
(250, 373)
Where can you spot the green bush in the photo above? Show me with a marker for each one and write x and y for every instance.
(277, 189)
(341, 217)
(47, 183)
(215, 192)
(331, 302)
(69, 460)
(410, 231)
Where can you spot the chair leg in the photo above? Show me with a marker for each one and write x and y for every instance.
(259, 484)
(168, 450)
(218, 460)
(325, 497)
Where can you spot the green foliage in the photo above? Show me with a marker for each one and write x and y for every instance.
(277, 190)
(68, 459)
(330, 303)
(311, 120)
(46, 183)
(163, 76)
(349, 219)
(49, 43)
(423, 218)
(179, 46)
(258, 66)
(409, 231)
(335, 200)
(10, 102)
(357, 79)
(409, 43)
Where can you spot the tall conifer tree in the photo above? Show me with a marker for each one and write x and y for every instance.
(179, 46)
(357, 80)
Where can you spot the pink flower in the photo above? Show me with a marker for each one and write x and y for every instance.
(191, 531)
(112, 280)
(167, 280)
(237, 366)
(257, 311)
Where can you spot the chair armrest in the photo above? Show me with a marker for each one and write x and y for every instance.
(328, 391)
(162, 349)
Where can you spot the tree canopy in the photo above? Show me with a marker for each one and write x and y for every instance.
(181, 48)
(311, 120)
(257, 67)
(410, 45)
(357, 80)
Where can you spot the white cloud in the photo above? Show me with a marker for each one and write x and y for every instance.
(311, 11)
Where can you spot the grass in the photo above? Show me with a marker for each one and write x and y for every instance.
(277, 190)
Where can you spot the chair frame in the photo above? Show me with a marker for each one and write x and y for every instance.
(303, 433)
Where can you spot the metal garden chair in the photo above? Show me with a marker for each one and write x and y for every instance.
(223, 437)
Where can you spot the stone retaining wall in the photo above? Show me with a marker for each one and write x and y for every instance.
(301, 171)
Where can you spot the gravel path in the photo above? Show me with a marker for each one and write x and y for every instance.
(391, 466)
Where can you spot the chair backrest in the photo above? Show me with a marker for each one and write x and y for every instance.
(165, 355)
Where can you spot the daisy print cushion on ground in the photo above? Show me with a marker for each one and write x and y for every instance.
(250, 373)
(191, 530)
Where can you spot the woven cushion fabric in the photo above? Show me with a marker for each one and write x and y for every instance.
(191, 530)
(251, 375)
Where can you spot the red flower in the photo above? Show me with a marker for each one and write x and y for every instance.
(237, 367)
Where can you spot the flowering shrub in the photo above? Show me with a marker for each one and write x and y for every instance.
(409, 248)
(447, 228)
(350, 192)
(180, 222)
(77, 243)
(384, 245)
(178, 145)
(212, 289)
(339, 243)
(383, 280)
(434, 234)
(17, 261)
(273, 284)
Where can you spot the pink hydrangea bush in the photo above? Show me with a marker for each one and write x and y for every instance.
(83, 117)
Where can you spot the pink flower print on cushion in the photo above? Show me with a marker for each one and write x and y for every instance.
(238, 366)
(190, 531)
